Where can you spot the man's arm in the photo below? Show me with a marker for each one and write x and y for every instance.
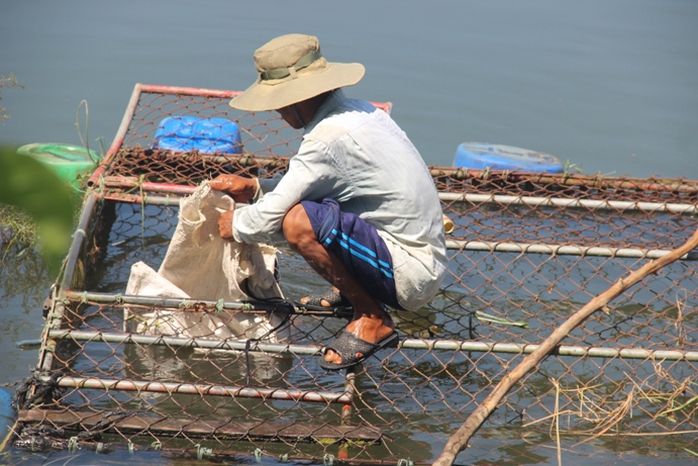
(311, 175)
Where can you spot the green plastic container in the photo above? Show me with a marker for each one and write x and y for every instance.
(67, 161)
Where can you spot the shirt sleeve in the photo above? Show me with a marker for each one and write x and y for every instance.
(312, 174)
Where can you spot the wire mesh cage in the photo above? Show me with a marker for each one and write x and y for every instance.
(526, 250)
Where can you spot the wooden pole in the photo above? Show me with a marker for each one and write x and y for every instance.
(459, 440)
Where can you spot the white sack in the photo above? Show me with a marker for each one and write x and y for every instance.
(200, 265)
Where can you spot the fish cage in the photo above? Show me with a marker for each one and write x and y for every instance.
(525, 252)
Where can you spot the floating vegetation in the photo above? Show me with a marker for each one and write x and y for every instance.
(18, 232)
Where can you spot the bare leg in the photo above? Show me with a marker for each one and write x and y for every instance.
(370, 323)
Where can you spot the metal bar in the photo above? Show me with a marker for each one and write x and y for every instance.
(173, 303)
(447, 197)
(537, 248)
(564, 250)
(195, 91)
(161, 426)
(575, 351)
(226, 94)
(591, 204)
(120, 135)
(231, 345)
(166, 201)
(134, 182)
(276, 393)
(78, 238)
(189, 303)
(409, 343)
(650, 207)
(349, 387)
(48, 345)
(572, 180)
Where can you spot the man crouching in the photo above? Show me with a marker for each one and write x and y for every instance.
(357, 202)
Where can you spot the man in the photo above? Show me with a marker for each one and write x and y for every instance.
(357, 202)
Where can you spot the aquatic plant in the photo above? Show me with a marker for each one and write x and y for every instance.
(43, 208)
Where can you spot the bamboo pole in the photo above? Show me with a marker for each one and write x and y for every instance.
(459, 440)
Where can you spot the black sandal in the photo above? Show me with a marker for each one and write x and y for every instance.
(337, 302)
(347, 346)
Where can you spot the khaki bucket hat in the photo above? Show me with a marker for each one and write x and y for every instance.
(292, 69)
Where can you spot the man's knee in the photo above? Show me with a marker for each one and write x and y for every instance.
(297, 228)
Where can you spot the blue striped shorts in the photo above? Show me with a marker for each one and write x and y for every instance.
(358, 246)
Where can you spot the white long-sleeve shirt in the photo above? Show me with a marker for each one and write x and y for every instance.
(357, 155)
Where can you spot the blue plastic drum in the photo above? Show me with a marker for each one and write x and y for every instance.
(481, 156)
(8, 418)
(206, 135)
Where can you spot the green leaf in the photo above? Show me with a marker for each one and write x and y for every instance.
(34, 188)
(498, 320)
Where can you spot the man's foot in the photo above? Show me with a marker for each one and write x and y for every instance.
(352, 350)
(372, 330)
(331, 300)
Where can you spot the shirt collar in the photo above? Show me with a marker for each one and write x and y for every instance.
(334, 100)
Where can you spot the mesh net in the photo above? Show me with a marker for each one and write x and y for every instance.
(526, 251)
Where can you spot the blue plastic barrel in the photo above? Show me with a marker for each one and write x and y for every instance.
(206, 135)
(8, 418)
(481, 156)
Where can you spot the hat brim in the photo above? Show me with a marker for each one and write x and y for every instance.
(262, 96)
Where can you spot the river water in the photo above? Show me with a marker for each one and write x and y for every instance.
(609, 87)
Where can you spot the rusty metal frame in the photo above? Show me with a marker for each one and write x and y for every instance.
(462, 192)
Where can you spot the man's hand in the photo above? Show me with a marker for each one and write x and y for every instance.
(225, 225)
(239, 188)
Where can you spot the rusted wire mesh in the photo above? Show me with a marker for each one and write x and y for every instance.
(526, 251)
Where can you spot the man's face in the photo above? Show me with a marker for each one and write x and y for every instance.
(290, 117)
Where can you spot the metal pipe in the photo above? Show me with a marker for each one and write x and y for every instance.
(195, 91)
(119, 138)
(78, 238)
(650, 207)
(590, 204)
(225, 94)
(345, 417)
(174, 303)
(53, 320)
(166, 201)
(538, 248)
(201, 389)
(580, 181)
(115, 181)
(564, 250)
(409, 343)
(232, 345)
(49, 344)
(192, 304)
(575, 351)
